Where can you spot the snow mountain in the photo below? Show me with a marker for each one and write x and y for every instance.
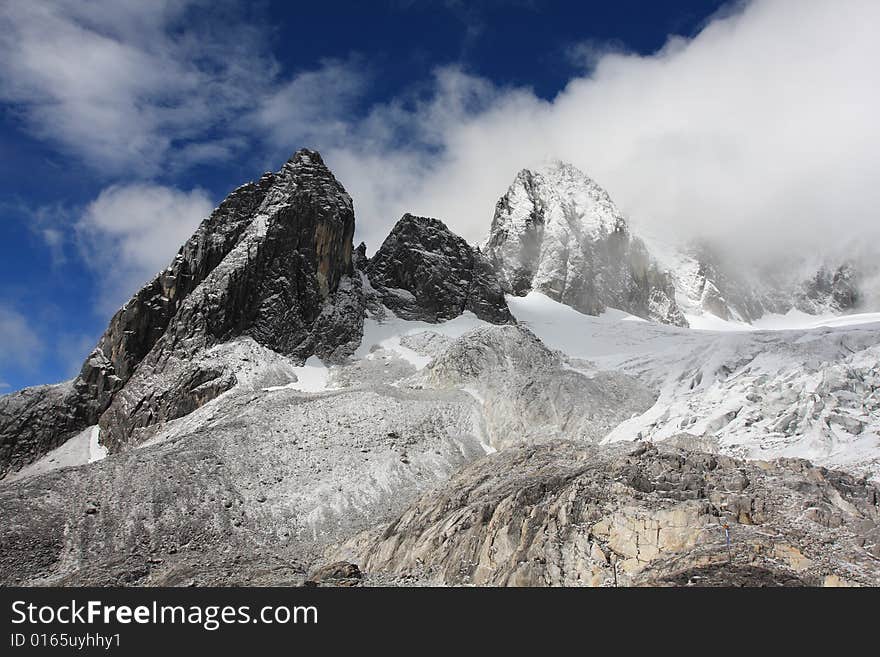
(277, 408)
(706, 283)
(557, 232)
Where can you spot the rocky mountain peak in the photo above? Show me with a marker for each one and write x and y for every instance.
(558, 232)
(425, 271)
(306, 157)
(306, 171)
(273, 262)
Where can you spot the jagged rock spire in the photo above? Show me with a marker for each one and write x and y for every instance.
(273, 262)
(424, 271)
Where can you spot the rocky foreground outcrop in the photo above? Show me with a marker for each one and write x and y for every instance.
(557, 232)
(424, 271)
(573, 515)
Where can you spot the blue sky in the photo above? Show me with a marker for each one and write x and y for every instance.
(122, 124)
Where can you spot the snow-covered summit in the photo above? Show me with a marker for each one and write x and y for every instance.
(572, 199)
(557, 231)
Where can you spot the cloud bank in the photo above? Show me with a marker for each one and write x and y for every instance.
(20, 347)
(760, 133)
(128, 86)
(129, 233)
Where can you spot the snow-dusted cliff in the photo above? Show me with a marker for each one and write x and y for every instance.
(558, 232)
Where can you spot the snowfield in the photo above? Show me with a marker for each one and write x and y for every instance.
(387, 334)
(791, 386)
(312, 376)
(808, 388)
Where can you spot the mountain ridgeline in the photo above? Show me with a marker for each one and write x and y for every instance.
(275, 263)
(279, 408)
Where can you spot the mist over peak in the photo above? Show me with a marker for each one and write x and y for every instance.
(757, 136)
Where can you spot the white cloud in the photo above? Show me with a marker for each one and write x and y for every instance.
(131, 232)
(20, 347)
(760, 132)
(129, 85)
(313, 105)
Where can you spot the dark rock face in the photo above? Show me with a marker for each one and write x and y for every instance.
(288, 284)
(36, 420)
(273, 262)
(141, 322)
(340, 573)
(424, 271)
(557, 232)
(832, 290)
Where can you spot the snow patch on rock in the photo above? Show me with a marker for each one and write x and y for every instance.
(82, 449)
(389, 334)
(313, 376)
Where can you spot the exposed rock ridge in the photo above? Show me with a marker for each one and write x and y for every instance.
(288, 284)
(569, 515)
(36, 420)
(424, 271)
(273, 261)
(834, 290)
